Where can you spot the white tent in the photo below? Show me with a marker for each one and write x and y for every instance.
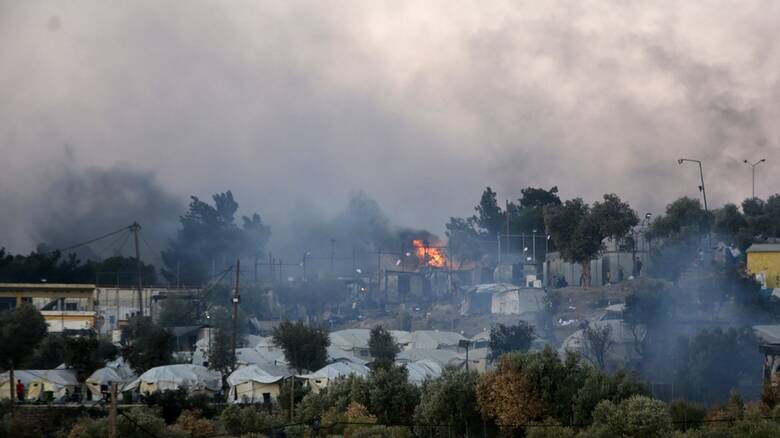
(252, 384)
(433, 339)
(322, 377)
(423, 369)
(442, 357)
(194, 378)
(106, 376)
(37, 382)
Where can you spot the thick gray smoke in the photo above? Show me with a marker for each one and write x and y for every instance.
(420, 104)
(79, 205)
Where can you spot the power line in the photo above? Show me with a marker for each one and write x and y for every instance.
(68, 248)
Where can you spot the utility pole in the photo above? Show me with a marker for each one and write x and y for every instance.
(236, 295)
(332, 254)
(703, 193)
(507, 227)
(292, 397)
(112, 413)
(136, 228)
(498, 241)
(753, 169)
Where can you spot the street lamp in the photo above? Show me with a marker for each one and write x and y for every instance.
(701, 174)
(753, 169)
(704, 195)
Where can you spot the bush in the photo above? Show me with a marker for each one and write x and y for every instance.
(638, 416)
(686, 415)
(173, 403)
(236, 420)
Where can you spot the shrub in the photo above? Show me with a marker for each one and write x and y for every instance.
(686, 415)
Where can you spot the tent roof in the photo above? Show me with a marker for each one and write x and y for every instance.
(423, 369)
(769, 334)
(57, 377)
(350, 338)
(441, 357)
(251, 373)
(181, 374)
(338, 369)
(113, 375)
(431, 339)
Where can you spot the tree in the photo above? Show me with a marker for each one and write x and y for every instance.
(489, 216)
(527, 387)
(463, 240)
(209, 235)
(85, 354)
(579, 230)
(391, 397)
(382, 347)
(451, 399)
(712, 363)
(305, 348)
(505, 339)
(574, 234)
(638, 416)
(148, 345)
(648, 308)
(599, 385)
(597, 343)
(21, 331)
(49, 354)
(221, 353)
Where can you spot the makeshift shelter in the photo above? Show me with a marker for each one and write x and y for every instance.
(193, 378)
(38, 382)
(322, 377)
(102, 379)
(252, 384)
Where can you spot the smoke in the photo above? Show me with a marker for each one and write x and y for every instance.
(81, 204)
(361, 229)
(422, 104)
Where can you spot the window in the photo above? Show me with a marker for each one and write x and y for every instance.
(71, 306)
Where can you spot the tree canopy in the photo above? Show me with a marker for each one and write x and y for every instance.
(506, 339)
(578, 229)
(305, 348)
(382, 347)
(209, 236)
(148, 345)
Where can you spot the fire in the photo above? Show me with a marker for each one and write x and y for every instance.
(430, 256)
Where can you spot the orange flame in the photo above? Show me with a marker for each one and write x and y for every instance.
(428, 255)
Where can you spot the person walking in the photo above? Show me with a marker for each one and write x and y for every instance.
(20, 391)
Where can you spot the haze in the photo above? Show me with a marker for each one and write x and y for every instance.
(296, 105)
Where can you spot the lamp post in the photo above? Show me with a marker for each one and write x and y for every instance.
(533, 236)
(703, 193)
(701, 175)
(753, 170)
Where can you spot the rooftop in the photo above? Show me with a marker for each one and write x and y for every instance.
(764, 247)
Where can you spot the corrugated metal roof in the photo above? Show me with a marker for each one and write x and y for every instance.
(764, 247)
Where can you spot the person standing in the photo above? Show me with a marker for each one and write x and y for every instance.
(20, 390)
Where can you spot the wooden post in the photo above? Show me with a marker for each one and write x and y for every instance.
(292, 397)
(112, 413)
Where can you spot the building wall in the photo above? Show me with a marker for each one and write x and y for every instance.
(766, 263)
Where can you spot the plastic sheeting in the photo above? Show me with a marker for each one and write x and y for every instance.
(194, 378)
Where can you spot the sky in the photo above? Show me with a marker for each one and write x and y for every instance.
(114, 110)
